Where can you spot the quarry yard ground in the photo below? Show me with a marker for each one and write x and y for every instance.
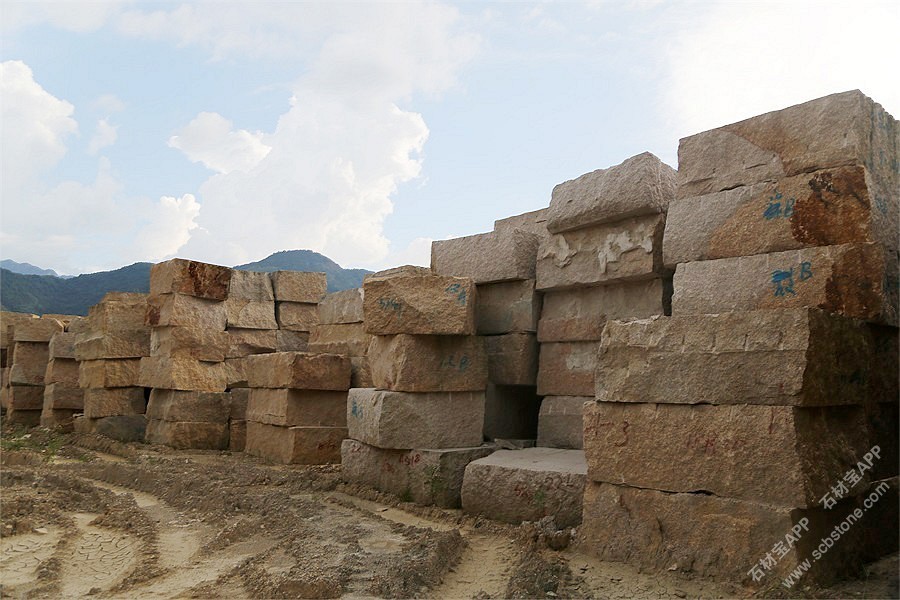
(85, 516)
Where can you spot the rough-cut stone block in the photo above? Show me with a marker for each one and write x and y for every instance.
(400, 420)
(127, 343)
(567, 369)
(235, 373)
(4, 397)
(244, 342)
(781, 455)
(183, 374)
(26, 397)
(289, 408)
(22, 417)
(60, 419)
(360, 372)
(428, 363)
(296, 316)
(423, 476)
(99, 402)
(62, 370)
(512, 358)
(240, 397)
(237, 438)
(825, 208)
(526, 485)
(62, 345)
(295, 445)
(181, 310)
(298, 370)
(37, 330)
(183, 342)
(124, 428)
(78, 325)
(250, 285)
(250, 314)
(110, 373)
(342, 307)
(798, 357)
(854, 280)
(29, 363)
(425, 304)
(883, 422)
(341, 338)
(291, 341)
(59, 396)
(180, 276)
(184, 435)
(401, 271)
(507, 307)
(641, 185)
(511, 412)
(117, 311)
(201, 407)
(297, 286)
(837, 130)
(8, 321)
(534, 221)
(580, 314)
(506, 255)
(621, 251)
(561, 422)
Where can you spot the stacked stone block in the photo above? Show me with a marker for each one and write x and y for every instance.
(8, 321)
(31, 353)
(63, 398)
(413, 433)
(340, 330)
(297, 295)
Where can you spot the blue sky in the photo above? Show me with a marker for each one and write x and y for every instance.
(225, 131)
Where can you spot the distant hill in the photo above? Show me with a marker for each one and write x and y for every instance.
(25, 268)
(40, 294)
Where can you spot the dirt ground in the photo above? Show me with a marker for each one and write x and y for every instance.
(85, 516)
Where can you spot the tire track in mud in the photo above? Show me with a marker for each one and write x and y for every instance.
(100, 558)
(22, 555)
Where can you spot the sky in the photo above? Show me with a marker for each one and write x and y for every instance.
(225, 131)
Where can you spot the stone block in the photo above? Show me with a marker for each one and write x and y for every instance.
(290, 408)
(183, 342)
(237, 438)
(580, 314)
(191, 278)
(298, 286)
(360, 372)
(291, 341)
(641, 185)
(127, 343)
(250, 314)
(25, 397)
(423, 476)
(626, 250)
(794, 357)
(124, 428)
(340, 338)
(244, 342)
(514, 486)
(507, 255)
(400, 420)
(183, 374)
(854, 280)
(23, 418)
(236, 373)
(561, 422)
(507, 307)
(298, 370)
(180, 310)
(62, 345)
(59, 396)
(100, 402)
(240, 398)
(567, 368)
(534, 221)
(883, 423)
(62, 370)
(512, 358)
(419, 304)
(60, 419)
(78, 325)
(295, 445)
(37, 330)
(781, 455)
(342, 307)
(428, 363)
(200, 407)
(8, 321)
(511, 412)
(117, 311)
(250, 286)
(185, 435)
(29, 363)
(113, 373)
(401, 271)
(296, 316)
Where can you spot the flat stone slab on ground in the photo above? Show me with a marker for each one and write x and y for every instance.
(428, 363)
(561, 422)
(419, 304)
(295, 445)
(298, 370)
(289, 408)
(505, 255)
(180, 276)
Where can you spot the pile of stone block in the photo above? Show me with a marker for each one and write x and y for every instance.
(340, 330)
(8, 320)
(31, 353)
(733, 437)
(413, 433)
(63, 398)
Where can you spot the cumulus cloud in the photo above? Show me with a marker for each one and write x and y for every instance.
(104, 135)
(208, 139)
(108, 103)
(168, 227)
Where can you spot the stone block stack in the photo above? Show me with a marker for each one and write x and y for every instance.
(413, 433)
(31, 353)
(764, 410)
(8, 321)
(297, 295)
(63, 398)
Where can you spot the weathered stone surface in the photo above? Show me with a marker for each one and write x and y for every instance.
(342, 307)
(296, 316)
(250, 314)
(561, 422)
(622, 251)
(854, 280)
(22, 417)
(798, 357)
(186, 311)
(180, 276)
(250, 285)
(780, 455)
(883, 423)
(401, 271)
(126, 343)
(78, 325)
(100, 402)
(289, 408)
(240, 398)
(425, 304)
(580, 314)
(837, 130)
(117, 311)
(340, 338)
(62, 345)
(291, 341)
(237, 439)
(29, 363)
(298, 370)
(424, 476)
(526, 485)
(511, 412)
(110, 373)
(8, 321)
(124, 428)
(201, 407)
(534, 221)
(25, 397)
(885, 366)
(507, 307)
(360, 372)
(400, 420)
(60, 419)
(59, 396)
(428, 363)
(295, 445)
(184, 435)
(641, 185)
(236, 373)
(506, 255)
(567, 369)
(244, 342)
(37, 330)
(296, 286)
(825, 208)
(184, 342)
(61, 370)
(512, 358)
(183, 374)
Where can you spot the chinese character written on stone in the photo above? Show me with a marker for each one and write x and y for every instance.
(775, 208)
(783, 282)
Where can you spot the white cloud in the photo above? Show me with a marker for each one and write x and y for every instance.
(81, 17)
(168, 227)
(417, 252)
(104, 136)
(108, 103)
(208, 139)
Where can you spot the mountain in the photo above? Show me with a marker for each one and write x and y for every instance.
(25, 268)
(40, 294)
